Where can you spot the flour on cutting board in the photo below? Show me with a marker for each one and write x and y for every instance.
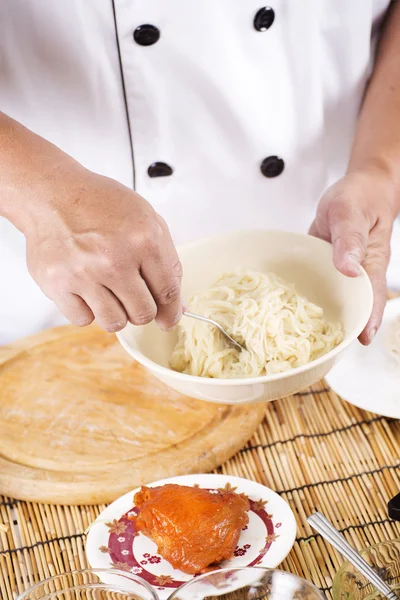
(82, 423)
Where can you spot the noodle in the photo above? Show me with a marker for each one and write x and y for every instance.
(280, 329)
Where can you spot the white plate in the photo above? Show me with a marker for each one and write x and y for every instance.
(266, 541)
(369, 377)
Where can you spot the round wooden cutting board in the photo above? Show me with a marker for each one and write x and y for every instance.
(81, 423)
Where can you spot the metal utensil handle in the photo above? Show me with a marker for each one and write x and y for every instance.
(198, 317)
(214, 324)
(325, 528)
(337, 540)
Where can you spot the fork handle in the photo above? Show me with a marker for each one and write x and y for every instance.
(325, 528)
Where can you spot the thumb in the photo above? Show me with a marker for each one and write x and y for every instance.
(349, 238)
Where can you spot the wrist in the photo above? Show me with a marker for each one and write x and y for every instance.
(24, 198)
(381, 174)
(33, 174)
(29, 201)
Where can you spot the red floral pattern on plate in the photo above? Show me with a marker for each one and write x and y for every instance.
(242, 551)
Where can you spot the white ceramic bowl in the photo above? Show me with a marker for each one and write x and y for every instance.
(298, 258)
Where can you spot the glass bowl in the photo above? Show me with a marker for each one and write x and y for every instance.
(91, 584)
(385, 558)
(250, 583)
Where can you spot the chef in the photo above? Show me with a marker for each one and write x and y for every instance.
(129, 126)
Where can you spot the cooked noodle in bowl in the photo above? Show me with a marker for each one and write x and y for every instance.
(280, 329)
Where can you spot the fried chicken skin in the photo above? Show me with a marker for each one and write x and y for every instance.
(192, 527)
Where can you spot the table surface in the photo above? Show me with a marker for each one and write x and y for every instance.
(317, 451)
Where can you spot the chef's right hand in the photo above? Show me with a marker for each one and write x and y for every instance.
(100, 251)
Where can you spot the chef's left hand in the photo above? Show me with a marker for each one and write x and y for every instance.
(356, 215)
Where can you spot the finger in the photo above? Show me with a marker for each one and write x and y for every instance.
(375, 264)
(75, 309)
(349, 238)
(137, 301)
(162, 272)
(378, 281)
(107, 309)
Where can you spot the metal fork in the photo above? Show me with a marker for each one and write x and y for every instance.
(218, 326)
(338, 541)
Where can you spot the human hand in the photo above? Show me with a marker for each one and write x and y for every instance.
(356, 215)
(100, 251)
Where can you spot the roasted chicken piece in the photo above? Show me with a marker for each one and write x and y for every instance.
(192, 527)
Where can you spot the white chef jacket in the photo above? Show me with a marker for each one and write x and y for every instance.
(244, 111)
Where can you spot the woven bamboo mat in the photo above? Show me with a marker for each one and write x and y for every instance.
(317, 451)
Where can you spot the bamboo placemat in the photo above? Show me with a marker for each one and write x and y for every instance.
(317, 451)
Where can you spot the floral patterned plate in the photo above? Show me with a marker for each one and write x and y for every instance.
(266, 541)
